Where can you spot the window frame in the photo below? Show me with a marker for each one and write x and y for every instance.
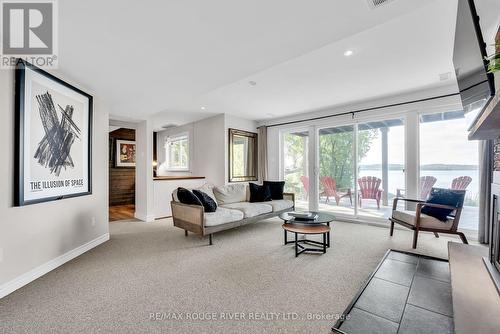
(176, 138)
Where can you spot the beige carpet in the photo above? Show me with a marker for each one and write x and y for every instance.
(148, 268)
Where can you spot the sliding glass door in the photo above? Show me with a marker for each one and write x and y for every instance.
(358, 172)
(381, 172)
(337, 170)
(358, 167)
(295, 162)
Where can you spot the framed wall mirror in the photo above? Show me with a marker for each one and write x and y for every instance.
(242, 156)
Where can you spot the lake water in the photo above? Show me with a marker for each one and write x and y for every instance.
(444, 179)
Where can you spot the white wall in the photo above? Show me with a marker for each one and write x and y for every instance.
(163, 190)
(144, 193)
(208, 146)
(36, 238)
(233, 122)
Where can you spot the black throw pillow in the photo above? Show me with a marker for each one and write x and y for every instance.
(187, 197)
(276, 188)
(451, 197)
(259, 193)
(208, 203)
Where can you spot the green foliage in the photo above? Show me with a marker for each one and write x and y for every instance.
(494, 61)
(337, 158)
(238, 159)
(296, 163)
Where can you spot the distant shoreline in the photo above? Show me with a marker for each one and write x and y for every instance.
(440, 167)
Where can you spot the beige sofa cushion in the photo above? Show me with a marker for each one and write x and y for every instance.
(207, 188)
(425, 220)
(222, 216)
(250, 209)
(231, 193)
(280, 204)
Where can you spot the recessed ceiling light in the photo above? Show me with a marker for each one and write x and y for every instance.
(252, 83)
(348, 53)
(203, 108)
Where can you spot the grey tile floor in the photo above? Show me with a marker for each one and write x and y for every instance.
(408, 294)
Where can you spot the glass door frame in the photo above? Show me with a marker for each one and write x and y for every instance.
(411, 119)
(471, 234)
(311, 167)
(355, 121)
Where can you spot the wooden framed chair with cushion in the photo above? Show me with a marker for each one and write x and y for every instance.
(439, 214)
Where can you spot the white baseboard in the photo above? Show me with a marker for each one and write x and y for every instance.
(144, 217)
(32, 275)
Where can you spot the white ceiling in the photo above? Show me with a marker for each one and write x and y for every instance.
(167, 59)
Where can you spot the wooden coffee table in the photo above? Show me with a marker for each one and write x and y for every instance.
(324, 218)
(307, 230)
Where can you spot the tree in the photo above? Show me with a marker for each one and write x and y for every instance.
(295, 162)
(336, 157)
(336, 154)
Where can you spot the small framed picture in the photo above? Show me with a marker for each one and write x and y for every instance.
(53, 138)
(124, 153)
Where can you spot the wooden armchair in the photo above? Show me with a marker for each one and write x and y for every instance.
(417, 221)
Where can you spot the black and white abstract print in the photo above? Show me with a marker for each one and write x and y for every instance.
(54, 150)
(55, 136)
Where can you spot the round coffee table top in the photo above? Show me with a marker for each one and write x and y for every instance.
(323, 218)
(306, 229)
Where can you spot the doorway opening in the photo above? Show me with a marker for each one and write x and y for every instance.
(121, 173)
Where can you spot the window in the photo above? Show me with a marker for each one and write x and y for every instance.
(361, 168)
(177, 152)
(448, 159)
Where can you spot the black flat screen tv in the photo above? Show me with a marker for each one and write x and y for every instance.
(476, 86)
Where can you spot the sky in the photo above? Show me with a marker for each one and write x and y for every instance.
(443, 142)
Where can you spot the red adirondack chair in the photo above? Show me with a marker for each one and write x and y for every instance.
(369, 188)
(426, 184)
(305, 184)
(330, 190)
(461, 182)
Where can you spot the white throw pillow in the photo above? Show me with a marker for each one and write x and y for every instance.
(231, 193)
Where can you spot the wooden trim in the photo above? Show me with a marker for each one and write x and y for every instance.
(188, 217)
(173, 178)
(255, 148)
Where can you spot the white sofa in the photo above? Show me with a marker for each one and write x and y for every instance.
(233, 209)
